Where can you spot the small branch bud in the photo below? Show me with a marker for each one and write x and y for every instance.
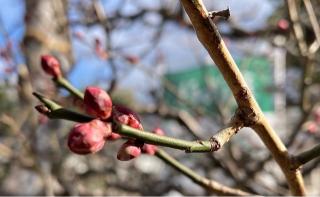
(222, 13)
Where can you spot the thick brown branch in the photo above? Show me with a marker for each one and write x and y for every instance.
(251, 112)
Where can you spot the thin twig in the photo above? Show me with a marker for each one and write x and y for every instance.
(305, 157)
(58, 112)
(313, 19)
(297, 29)
(209, 184)
(62, 82)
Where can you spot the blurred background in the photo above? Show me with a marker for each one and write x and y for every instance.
(146, 55)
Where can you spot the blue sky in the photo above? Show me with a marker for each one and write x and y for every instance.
(179, 46)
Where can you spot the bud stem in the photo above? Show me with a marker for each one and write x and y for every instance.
(207, 183)
(57, 112)
(62, 82)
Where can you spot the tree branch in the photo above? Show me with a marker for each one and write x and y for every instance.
(305, 157)
(313, 19)
(209, 184)
(248, 108)
(214, 144)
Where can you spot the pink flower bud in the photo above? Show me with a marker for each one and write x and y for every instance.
(114, 136)
(132, 59)
(158, 131)
(151, 149)
(126, 116)
(311, 127)
(42, 109)
(128, 151)
(100, 51)
(97, 102)
(51, 66)
(283, 24)
(89, 137)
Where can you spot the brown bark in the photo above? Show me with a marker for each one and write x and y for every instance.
(249, 110)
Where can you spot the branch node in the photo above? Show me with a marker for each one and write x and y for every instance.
(215, 144)
(247, 116)
(294, 163)
(222, 13)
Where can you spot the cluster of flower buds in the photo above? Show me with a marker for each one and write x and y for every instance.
(86, 138)
(90, 137)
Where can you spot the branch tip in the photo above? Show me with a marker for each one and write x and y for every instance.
(222, 13)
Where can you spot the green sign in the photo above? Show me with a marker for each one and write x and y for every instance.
(204, 87)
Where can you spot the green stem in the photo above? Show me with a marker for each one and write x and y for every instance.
(57, 112)
(150, 138)
(209, 184)
(178, 166)
(66, 114)
(49, 103)
(62, 82)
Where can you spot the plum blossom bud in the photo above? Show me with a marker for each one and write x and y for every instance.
(132, 59)
(128, 151)
(158, 131)
(151, 149)
(114, 136)
(86, 138)
(97, 102)
(311, 127)
(132, 148)
(283, 24)
(100, 51)
(42, 109)
(126, 116)
(51, 66)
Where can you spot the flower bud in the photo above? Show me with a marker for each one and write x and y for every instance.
(149, 149)
(114, 136)
(42, 109)
(89, 137)
(283, 24)
(126, 116)
(158, 131)
(97, 102)
(132, 59)
(311, 127)
(128, 151)
(51, 66)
